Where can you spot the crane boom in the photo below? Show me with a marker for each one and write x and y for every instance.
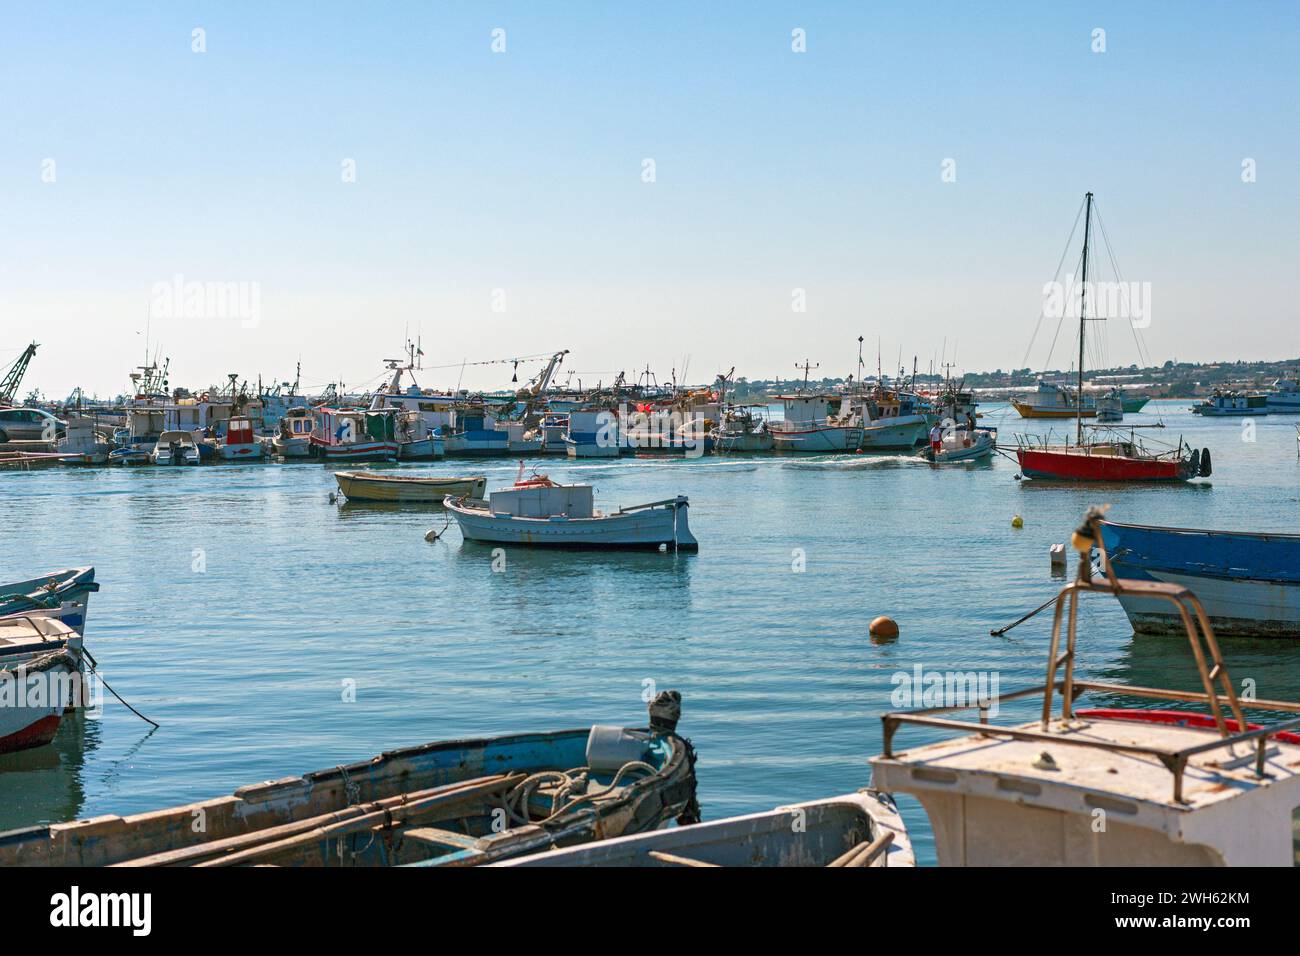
(14, 377)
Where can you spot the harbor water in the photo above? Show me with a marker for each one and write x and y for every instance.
(271, 632)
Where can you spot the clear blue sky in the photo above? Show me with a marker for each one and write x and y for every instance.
(522, 171)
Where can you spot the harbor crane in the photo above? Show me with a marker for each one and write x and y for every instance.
(14, 375)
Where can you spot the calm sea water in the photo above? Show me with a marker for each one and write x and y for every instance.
(242, 656)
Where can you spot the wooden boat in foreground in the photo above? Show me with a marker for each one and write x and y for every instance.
(1107, 786)
(541, 513)
(1249, 582)
(456, 803)
(426, 489)
(856, 829)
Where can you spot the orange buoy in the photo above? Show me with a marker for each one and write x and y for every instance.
(884, 628)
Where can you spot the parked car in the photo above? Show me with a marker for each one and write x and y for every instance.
(30, 424)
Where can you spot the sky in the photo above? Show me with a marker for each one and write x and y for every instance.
(365, 172)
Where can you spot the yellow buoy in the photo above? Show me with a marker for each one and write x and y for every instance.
(884, 628)
(1017, 522)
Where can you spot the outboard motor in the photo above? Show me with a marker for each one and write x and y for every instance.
(1195, 462)
(1205, 467)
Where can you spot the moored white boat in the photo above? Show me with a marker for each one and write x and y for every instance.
(1232, 404)
(592, 433)
(743, 430)
(540, 513)
(349, 434)
(1284, 396)
(293, 435)
(893, 420)
(239, 442)
(82, 444)
(856, 830)
(809, 426)
(175, 448)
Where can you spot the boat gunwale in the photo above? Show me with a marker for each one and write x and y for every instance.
(1283, 535)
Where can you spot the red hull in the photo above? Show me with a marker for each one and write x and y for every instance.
(34, 735)
(1080, 466)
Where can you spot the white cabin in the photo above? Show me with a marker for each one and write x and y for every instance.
(543, 501)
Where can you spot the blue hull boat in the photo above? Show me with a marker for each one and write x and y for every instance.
(63, 595)
(1248, 582)
(454, 803)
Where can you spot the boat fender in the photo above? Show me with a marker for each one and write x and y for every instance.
(609, 748)
(665, 711)
(1206, 467)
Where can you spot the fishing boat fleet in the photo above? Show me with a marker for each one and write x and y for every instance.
(1192, 783)
(1181, 786)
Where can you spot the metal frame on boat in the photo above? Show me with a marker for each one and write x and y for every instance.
(1234, 784)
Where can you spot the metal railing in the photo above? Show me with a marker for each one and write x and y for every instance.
(1205, 650)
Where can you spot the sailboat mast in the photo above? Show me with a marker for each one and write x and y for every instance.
(1083, 317)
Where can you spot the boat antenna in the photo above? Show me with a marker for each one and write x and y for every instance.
(859, 360)
(807, 364)
(1083, 318)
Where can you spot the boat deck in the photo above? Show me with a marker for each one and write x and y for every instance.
(1102, 768)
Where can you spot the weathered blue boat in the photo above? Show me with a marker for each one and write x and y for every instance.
(1248, 582)
(63, 595)
(455, 803)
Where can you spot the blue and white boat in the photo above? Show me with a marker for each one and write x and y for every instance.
(63, 595)
(1248, 582)
(1284, 396)
(1232, 404)
(538, 512)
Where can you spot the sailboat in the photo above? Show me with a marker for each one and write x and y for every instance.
(1102, 455)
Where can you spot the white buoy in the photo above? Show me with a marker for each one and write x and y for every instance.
(1057, 555)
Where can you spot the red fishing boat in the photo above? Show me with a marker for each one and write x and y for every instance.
(1102, 453)
(1111, 460)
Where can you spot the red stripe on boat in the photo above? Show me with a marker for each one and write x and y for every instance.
(1178, 718)
(33, 735)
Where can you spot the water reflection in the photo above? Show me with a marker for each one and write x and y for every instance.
(47, 784)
